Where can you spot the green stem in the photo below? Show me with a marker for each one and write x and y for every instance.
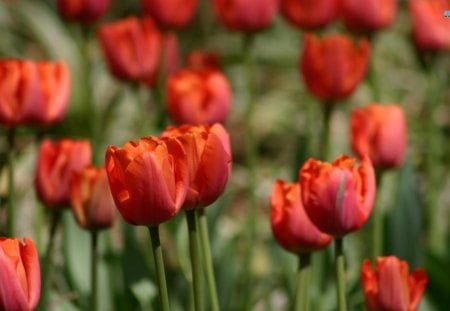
(94, 270)
(159, 267)
(11, 220)
(372, 76)
(340, 274)
(301, 297)
(207, 259)
(327, 110)
(160, 89)
(195, 258)
(378, 222)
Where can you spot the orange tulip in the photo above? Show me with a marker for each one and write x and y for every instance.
(85, 11)
(172, 14)
(391, 287)
(309, 14)
(56, 162)
(92, 203)
(198, 96)
(338, 197)
(209, 161)
(333, 66)
(380, 132)
(148, 179)
(290, 225)
(20, 275)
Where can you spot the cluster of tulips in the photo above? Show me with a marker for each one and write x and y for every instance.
(187, 166)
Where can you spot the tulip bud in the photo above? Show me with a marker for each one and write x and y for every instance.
(171, 14)
(309, 14)
(85, 11)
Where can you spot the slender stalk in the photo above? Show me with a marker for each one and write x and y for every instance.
(160, 88)
(94, 270)
(11, 220)
(301, 297)
(207, 259)
(327, 110)
(378, 223)
(195, 258)
(159, 267)
(340, 274)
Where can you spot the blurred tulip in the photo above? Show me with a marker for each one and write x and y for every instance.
(246, 15)
(290, 224)
(170, 14)
(333, 66)
(198, 96)
(367, 16)
(56, 163)
(431, 30)
(202, 59)
(92, 203)
(148, 179)
(380, 132)
(309, 14)
(20, 275)
(338, 197)
(171, 55)
(85, 11)
(391, 287)
(209, 161)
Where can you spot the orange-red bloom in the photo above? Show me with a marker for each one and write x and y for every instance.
(85, 11)
(338, 197)
(369, 15)
(198, 96)
(209, 161)
(431, 30)
(333, 66)
(172, 14)
(20, 275)
(390, 286)
(309, 14)
(56, 163)
(290, 224)
(92, 203)
(380, 132)
(148, 179)
(246, 15)
(132, 48)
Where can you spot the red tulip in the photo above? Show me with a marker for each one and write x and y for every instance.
(198, 96)
(171, 55)
(132, 48)
(209, 161)
(309, 14)
(56, 163)
(380, 132)
(338, 197)
(333, 66)
(172, 14)
(246, 15)
(391, 287)
(92, 203)
(290, 224)
(148, 179)
(431, 30)
(201, 59)
(85, 11)
(20, 275)
(366, 16)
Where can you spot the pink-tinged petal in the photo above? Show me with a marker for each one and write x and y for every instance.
(30, 259)
(368, 183)
(178, 157)
(393, 274)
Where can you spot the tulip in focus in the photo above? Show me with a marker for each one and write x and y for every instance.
(333, 66)
(338, 197)
(85, 11)
(309, 14)
(170, 14)
(20, 275)
(380, 132)
(390, 286)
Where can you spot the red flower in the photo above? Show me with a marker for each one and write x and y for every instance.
(391, 287)
(338, 197)
(20, 275)
(201, 59)
(85, 11)
(431, 30)
(132, 48)
(172, 14)
(290, 224)
(333, 66)
(366, 16)
(56, 162)
(198, 96)
(380, 132)
(92, 203)
(246, 15)
(209, 161)
(148, 179)
(309, 14)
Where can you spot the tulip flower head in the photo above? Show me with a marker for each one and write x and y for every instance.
(201, 59)
(391, 286)
(171, 14)
(309, 14)
(20, 275)
(85, 11)
(338, 197)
